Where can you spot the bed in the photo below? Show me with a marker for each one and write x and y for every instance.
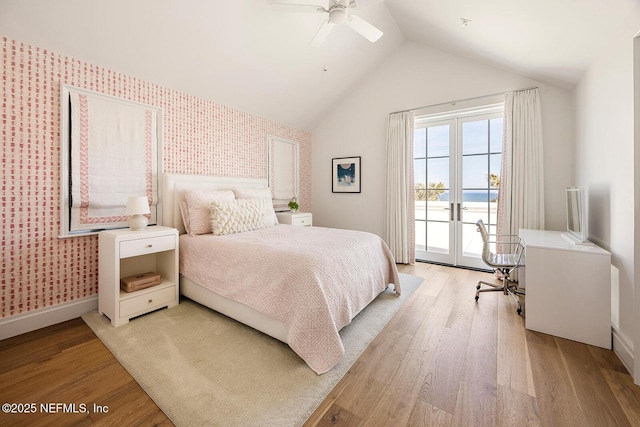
(300, 285)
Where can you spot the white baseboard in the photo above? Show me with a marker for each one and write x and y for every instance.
(36, 319)
(623, 350)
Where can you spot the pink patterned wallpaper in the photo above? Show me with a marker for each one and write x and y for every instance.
(200, 137)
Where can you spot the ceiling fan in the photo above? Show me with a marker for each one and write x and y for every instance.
(339, 12)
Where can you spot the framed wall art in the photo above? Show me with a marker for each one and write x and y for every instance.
(345, 175)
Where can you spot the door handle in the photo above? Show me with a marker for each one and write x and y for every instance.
(450, 209)
(460, 208)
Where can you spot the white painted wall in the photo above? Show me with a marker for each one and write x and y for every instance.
(417, 75)
(605, 167)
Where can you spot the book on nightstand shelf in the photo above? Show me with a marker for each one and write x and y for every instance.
(139, 281)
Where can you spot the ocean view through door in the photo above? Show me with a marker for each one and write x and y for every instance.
(457, 160)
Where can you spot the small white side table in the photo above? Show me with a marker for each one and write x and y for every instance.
(303, 219)
(124, 253)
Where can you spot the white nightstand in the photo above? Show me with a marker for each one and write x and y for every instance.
(303, 219)
(124, 253)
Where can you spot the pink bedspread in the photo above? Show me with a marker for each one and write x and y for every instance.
(313, 279)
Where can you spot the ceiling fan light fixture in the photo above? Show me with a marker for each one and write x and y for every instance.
(339, 12)
(337, 15)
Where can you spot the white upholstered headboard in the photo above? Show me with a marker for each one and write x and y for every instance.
(174, 186)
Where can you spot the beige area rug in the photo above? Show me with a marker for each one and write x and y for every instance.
(202, 368)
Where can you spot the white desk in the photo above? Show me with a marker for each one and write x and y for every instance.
(568, 288)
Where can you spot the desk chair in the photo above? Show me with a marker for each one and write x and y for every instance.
(508, 256)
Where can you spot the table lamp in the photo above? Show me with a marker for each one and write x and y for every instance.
(137, 207)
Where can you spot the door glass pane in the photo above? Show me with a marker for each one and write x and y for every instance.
(420, 179)
(495, 134)
(438, 237)
(475, 196)
(420, 208)
(494, 183)
(420, 142)
(493, 209)
(494, 168)
(475, 137)
(438, 137)
(420, 171)
(471, 241)
(493, 197)
(475, 171)
(438, 208)
(438, 171)
(421, 235)
(474, 203)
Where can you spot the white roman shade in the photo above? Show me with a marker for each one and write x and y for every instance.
(283, 169)
(113, 155)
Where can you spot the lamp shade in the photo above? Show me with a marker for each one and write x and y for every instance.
(138, 205)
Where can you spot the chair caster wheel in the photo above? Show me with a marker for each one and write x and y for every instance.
(519, 311)
(477, 298)
(478, 287)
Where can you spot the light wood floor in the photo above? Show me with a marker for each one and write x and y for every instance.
(443, 360)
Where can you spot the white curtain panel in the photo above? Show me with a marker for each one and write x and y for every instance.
(400, 194)
(522, 176)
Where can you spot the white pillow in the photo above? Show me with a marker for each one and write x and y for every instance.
(252, 193)
(184, 211)
(257, 193)
(199, 204)
(240, 215)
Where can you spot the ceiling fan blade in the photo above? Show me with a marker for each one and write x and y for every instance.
(322, 33)
(297, 7)
(363, 28)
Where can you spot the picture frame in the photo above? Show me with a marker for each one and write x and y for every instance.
(345, 174)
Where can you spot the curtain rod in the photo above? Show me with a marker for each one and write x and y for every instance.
(464, 100)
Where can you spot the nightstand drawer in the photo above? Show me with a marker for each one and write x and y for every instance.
(145, 246)
(303, 220)
(147, 301)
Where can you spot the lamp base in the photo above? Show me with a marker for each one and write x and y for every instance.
(138, 222)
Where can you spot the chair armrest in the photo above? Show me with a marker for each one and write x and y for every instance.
(505, 242)
(510, 236)
(518, 247)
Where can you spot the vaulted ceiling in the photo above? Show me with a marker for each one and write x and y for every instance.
(250, 55)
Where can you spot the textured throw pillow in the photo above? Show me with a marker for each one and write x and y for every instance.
(240, 215)
(258, 193)
(199, 203)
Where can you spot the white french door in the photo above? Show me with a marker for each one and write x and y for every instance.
(457, 175)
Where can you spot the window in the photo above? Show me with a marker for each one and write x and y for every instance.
(283, 158)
